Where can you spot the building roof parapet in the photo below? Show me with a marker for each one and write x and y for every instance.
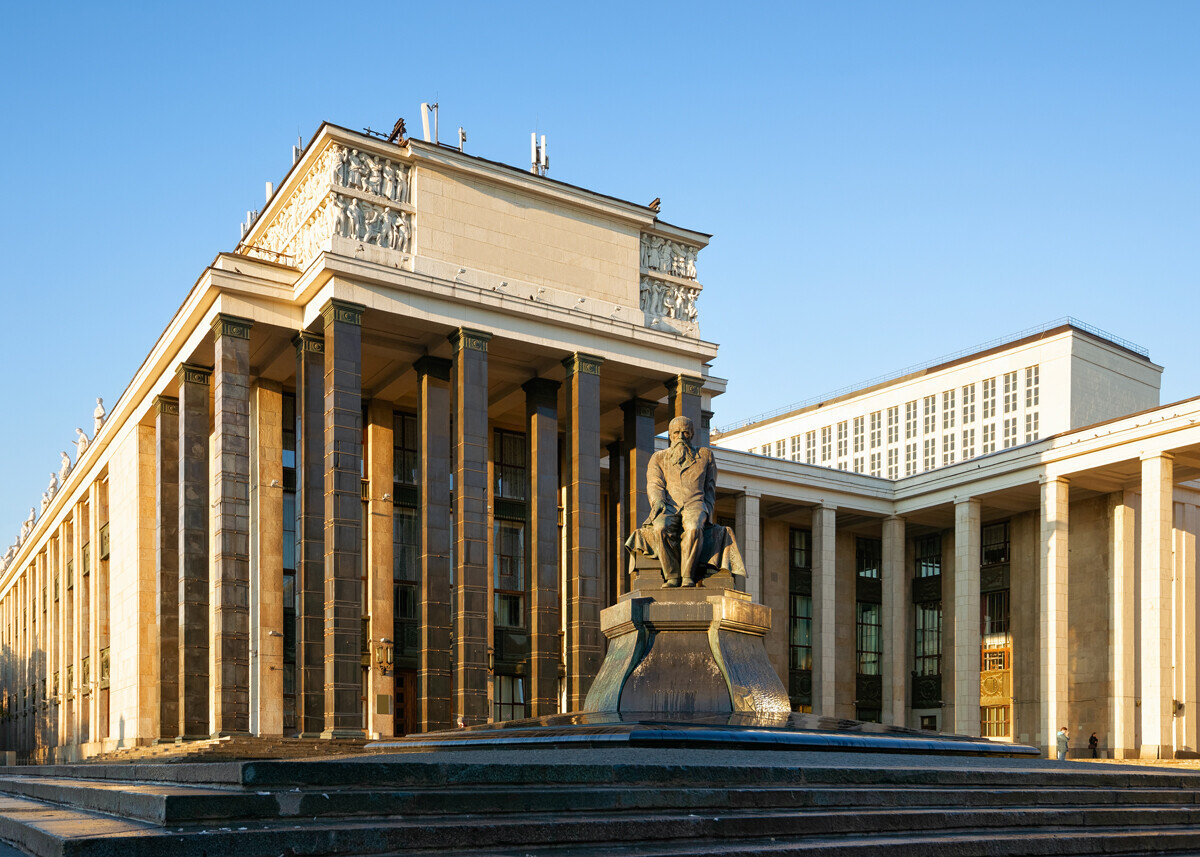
(1055, 326)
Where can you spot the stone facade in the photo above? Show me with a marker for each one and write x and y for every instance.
(374, 477)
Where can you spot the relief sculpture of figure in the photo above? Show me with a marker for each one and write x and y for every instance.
(400, 234)
(681, 485)
(354, 170)
(389, 181)
(375, 228)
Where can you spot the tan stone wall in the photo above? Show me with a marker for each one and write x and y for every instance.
(775, 593)
(484, 227)
(133, 697)
(1089, 706)
(1024, 603)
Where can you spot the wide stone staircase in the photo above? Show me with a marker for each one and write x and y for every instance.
(230, 748)
(601, 802)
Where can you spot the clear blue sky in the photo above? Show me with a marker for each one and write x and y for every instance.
(886, 182)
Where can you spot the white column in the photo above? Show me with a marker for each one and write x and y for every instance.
(1123, 609)
(1185, 734)
(1155, 606)
(895, 624)
(824, 603)
(965, 677)
(749, 535)
(1052, 612)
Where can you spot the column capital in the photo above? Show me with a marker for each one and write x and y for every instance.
(1150, 456)
(307, 341)
(543, 391)
(1046, 480)
(894, 518)
(232, 326)
(689, 385)
(193, 373)
(166, 405)
(639, 407)
(962, 501)
(746, 492)
(434, 367)
(466, 339)
(342, 311)
(825, 507)
(582, 364)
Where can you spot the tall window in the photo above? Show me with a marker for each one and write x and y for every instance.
(869, 639)
(876, 429)
(997, 642)
(858, 464)
(989, 438)
(800, 544)
(1031, 427)
(810, 447)
(796, 440)
(994, 547)
(948, 410)
(989, 398)
(779, 449)
(875, 464)
(858, 434)
(765, 449)
(289, 562)
(928, 550)
(509, 698)
(868, 557)
(405, 460)
(930, 414)
(910, 459)
(800, 640)
(968, 404)
(1031, 386)
(826, 443)
(406, 540)
(910, 420)
(893, 463)
(968, 443)
(1010, 392)
(893, 424)
(842, 444)
(948, 448)
(930, 453)
(1010, 432)
(927, 656)
(508, 529)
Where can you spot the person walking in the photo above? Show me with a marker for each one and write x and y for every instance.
(1063, 740)
(1093, 744)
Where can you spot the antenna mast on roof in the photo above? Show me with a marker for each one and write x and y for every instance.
(426, 109)
(539, 161)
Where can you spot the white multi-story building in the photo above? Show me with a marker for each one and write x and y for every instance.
(1038, 383)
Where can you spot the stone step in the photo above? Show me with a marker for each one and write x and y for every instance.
(47, 830)
(174, 803)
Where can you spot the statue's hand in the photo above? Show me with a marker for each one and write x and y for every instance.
(655, 510)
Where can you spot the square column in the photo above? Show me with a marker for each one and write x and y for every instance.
(585, 644)
(748, 526)
(434, 680)
(95, 732)
(542, 544)
(472, 526)
(967, 634)
(231, 538)
(1155, 606)
(1123, 622)
(683, 400)
(824, 603)
(266, 558)
(380, 475)
(895, 610)
(310, 533)
(343, 520)
(78, 628)
(1052, 609)
(193, 551)
(617, 581)
(62, 654)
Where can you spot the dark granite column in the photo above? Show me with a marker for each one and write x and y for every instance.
(615, 517)
(193, 550)
(639, 446)
(585, 645)
(541, 544)
(683, 396)
(435, 685)
(472, 525)
(343, 519)
(310, 533)
(166, 561)
(231, 542)
(704, 430)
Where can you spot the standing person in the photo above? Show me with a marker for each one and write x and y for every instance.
(1063, 741)
(1093, 743)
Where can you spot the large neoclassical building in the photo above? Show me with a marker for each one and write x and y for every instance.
(374, 476)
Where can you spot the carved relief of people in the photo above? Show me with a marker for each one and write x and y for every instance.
(354, 170)
(644, 294)
(400, 234)
(81, 443)
(401, 185)
(341, 165)
(389, 181)
(690, 268)
(375, 183)
(374, 227)
(98, 416)
(692, 311)
(64, 468)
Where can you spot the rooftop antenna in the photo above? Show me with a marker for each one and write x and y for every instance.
(462, 138)
(539, 161)
(426, 109)
(298, 149)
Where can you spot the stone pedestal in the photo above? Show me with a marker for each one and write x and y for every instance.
(687, 651)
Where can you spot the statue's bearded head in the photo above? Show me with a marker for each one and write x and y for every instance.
(680, 431)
